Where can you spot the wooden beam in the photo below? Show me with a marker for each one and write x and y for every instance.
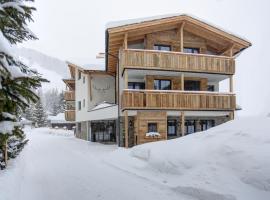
(228, 49)
(125, 41)
(182, 82)
(126, 128)
(182, 37)
(231, 115)
(126, 79)
(183, 123)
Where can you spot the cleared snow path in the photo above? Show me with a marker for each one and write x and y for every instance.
(56, 167)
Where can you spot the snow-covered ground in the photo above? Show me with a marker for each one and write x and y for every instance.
(228, 162)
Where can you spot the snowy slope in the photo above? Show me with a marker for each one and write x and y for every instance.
(51, 68)
(228, 162)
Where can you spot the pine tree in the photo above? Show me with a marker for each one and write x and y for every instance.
(39, 115)
(62, 103)
(17, 81)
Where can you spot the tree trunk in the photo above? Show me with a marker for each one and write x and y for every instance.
(5, 153)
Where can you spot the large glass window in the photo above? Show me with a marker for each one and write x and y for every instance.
(79, 75)
(192, 85)
(172, 127)
(162, 84)
(190, 126)
(161, 47)
(136, 85)
(211, 88)
(191, 50)
(152, 127)
(206, 124)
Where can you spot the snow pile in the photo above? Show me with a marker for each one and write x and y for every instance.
(58, 119)
(101, 105)
(152, 134)
(227, 162)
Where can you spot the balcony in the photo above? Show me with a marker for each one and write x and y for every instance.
(176, 61)
(69, 95)
(70, 115)
(177, 100)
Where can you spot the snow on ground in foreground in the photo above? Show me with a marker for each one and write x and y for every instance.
(228, 162)
(56, 166)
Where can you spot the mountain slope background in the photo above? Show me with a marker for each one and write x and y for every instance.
(53, 69)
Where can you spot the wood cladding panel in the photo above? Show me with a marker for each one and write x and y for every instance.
(176, 61)
(142, 120)
(176, 100)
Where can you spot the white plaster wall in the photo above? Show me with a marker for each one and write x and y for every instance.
(103, 89)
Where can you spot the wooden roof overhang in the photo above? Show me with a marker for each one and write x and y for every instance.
(70, 83)
(216, 38)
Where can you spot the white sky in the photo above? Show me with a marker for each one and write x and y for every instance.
(75, 31)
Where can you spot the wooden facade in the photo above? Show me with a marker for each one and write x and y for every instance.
(177, 100)
(70, 115)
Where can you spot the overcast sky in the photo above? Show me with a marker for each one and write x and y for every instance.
(75, 31)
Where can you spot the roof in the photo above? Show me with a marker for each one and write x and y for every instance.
(58, 119)
(138, 28)
(102, 105)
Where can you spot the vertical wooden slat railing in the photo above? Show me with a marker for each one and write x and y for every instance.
(70, 115)
(177, 100)
(176, 61)
(69, 95)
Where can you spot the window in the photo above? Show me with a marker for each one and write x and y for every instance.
(162, 84)
(191, 50)
(152, 127)
(172, 127)
(190, 126)
(83, 102)
(192, 85)
(136, 85)
(211, 88)
(83, 79)
(79, 75)
(79, 127)
(206, 124)
(161, 47)
(79, 105)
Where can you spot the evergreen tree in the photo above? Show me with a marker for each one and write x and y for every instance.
(62, 102)
(39, 114)
(17, 81)
(29, 112)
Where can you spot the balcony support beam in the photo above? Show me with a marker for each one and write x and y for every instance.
(126, 79)
(181, 31)
(125, 44)
(182, 82)
(183, 123)
(126, 128)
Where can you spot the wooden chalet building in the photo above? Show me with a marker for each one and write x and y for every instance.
(164, 81)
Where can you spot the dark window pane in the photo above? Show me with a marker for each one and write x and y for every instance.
(190, 126)
(160, 47)
(191, 50)
(136, 85)
(192, 85)
(152, 127)
(162, 84)
(211, 88)
(171, 127)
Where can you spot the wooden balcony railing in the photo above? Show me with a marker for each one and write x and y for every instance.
(177, 100)
(69, 95)
(176, 61)
(70, 115)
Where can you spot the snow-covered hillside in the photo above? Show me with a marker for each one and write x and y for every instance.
(51, 68)
(228, 162)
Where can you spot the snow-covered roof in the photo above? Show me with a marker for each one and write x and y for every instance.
(58, 119)
(104, 104)
(120, 23)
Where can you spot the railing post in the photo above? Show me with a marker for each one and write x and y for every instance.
(182, 82)
(231, 83)
(183, 123)
(126, 128)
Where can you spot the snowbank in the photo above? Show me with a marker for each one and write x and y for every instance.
(231, 161)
